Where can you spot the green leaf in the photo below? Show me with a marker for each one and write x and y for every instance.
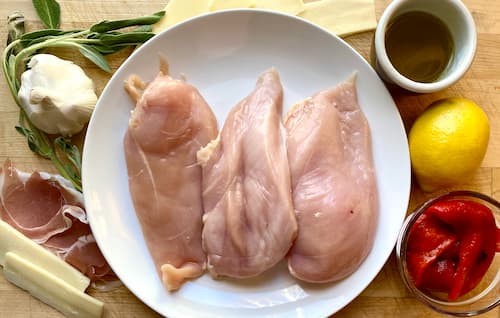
(71, 152)
(49, 12)
(38, 36)
(12, 71)
(105, 26)
(96, 57)
(46, 32)
(130, 38)
(143, 28)
(104, 49)
(33, 142)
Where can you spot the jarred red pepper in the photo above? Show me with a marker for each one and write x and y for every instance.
(451, 246)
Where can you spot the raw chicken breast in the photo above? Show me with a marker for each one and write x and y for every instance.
(249, 223)
(170, 123)
(333, 183)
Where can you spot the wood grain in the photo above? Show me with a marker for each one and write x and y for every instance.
(386, 296)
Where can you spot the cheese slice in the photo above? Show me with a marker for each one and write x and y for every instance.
(342, 17)
(12, 240)
(180, 10)
(293, 7)
(231, 4)
(50, 289)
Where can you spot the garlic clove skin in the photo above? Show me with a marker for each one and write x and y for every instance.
(56, 94)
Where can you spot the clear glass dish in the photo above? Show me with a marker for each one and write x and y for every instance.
(485, 296)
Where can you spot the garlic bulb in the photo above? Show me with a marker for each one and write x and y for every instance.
(57, 95)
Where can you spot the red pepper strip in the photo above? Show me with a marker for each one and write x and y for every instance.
(475, 225)
(439, 276)
(498, 240)
(428, 239)
(485, 258)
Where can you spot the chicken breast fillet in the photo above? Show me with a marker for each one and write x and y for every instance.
(170, 123)
(249, 223)
(333, 183)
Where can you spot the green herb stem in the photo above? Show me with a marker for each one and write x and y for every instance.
(26, 52)
(7, 72)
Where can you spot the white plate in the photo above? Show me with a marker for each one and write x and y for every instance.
(222, 54)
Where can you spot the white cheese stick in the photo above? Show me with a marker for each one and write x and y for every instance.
(12, 240)
(50, 289)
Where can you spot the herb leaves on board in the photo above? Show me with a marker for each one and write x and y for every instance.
(49, 12)
(94, 43)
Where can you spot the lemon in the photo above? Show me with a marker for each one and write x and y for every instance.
(448, 142)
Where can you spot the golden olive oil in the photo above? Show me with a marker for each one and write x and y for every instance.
(419, 45)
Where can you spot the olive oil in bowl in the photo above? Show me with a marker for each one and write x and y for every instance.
(419, 45)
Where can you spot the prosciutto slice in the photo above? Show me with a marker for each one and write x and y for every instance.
(333, 184)
(170, 123)
(47, 209)
(249, 224)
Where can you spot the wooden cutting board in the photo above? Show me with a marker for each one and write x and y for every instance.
(386, 296)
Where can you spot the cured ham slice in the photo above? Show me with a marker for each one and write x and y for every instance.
(170, 123)
(249, 224)
(333, 183)
(47, 209)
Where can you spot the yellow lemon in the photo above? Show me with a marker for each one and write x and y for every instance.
(448, 142)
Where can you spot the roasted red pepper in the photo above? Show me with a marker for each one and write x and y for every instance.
(451, 246)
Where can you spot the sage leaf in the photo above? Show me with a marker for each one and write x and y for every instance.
(105, 26)
(96, 57)
(46, 32)
(33, 142)
(71, 152)
(143, 28)
(130, 38)
(38, 36)
(104, 49)
(49, 12)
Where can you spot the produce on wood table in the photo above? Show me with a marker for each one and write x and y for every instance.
(57, 96)
(448, 142)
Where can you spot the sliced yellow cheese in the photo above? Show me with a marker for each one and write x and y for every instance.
(180, 10)
(12, 240)
(50, 289)
(293, 7)
(342, 17)
(231, 4)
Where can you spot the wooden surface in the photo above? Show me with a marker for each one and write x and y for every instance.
(386, 296)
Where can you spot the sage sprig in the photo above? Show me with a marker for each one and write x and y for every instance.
(94, 43)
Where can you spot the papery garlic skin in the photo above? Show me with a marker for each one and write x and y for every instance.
(57, 95)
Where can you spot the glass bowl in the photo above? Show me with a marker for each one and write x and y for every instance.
(485, 296)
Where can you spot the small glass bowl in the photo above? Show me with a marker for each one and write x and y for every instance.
(485, 296)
